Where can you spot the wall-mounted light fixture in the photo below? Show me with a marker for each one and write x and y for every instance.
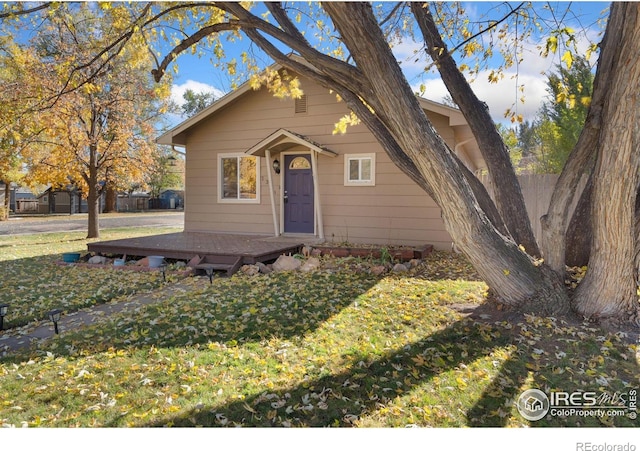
(276, 166)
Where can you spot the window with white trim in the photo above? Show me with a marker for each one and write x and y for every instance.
(238, 178)
(360, 169)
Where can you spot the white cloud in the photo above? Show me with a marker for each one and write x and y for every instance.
(504, 95)
(177, 91)
(501, 96)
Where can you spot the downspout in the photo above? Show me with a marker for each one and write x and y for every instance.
(272, 196)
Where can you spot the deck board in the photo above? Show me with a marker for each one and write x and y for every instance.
(186, 245)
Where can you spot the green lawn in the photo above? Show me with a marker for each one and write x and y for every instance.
(33, 284)
(336, 347)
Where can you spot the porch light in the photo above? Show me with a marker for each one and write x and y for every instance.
(276, 166)
(3, 312)
(54, 316)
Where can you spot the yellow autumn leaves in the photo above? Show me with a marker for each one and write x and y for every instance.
(336, 347)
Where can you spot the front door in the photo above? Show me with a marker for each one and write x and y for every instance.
(298, 194)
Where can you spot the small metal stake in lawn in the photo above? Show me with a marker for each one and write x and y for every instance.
(163, 268)
(54, 316)
(209, 272)
(3, 312)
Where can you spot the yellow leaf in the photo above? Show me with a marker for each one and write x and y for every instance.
(568, 59)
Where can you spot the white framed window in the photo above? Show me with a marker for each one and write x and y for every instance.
(360, 169)
(238, 178)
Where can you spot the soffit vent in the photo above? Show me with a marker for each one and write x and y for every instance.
(301, 104)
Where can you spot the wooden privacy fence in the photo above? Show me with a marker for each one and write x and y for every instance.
(537, 190)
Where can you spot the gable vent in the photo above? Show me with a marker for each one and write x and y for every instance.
(301, 104)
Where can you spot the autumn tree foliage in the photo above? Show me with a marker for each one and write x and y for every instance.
(350, 54)
(97, 118)
(17, 129)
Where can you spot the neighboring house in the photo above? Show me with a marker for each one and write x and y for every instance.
(257, 164)
(23, 201)
(62, 201)
(171, 199)
(134, 201)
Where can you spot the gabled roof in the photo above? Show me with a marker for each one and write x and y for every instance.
(177, 135)
(282, 139)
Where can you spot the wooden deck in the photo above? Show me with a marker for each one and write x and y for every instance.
(210, 247)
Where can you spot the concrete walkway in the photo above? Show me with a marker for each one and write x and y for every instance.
(32, 334)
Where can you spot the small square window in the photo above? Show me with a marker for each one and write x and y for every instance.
(359, 169)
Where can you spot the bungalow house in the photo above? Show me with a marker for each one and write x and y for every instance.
(257, 164)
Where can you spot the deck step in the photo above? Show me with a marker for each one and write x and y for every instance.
(212, 263)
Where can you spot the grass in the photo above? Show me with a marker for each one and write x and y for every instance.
(337, 347)
(32, 283)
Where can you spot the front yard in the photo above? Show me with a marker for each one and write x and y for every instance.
(337, 347)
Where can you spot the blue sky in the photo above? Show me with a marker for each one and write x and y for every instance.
(199, 74)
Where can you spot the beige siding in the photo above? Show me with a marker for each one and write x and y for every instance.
(394, 211)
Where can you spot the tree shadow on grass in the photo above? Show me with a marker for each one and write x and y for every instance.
(231, 311)
(366, 387)
(336, 399)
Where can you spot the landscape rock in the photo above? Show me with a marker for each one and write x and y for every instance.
(250, 270)
(143, 262)
(414, 262)
(378, 270)
(286, 263)
(311, 264)
(264, 269)
(399, 267)
(98, 260)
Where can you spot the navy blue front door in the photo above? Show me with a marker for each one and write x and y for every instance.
(298, 194)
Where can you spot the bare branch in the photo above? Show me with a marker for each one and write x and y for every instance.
(202, 33)
(490, 27)
(281, 16)
(23, 12)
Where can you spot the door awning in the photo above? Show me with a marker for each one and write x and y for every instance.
(282, 140)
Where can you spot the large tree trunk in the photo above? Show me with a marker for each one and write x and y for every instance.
(581, 160)
(609, 287)
(110, 200)
(93, 197)
(579, 232)
(507, 191)
(511, 273)
(4, 212)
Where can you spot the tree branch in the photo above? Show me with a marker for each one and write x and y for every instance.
(490, 27)
(24, 12)
(202, 33)
(508, 194)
